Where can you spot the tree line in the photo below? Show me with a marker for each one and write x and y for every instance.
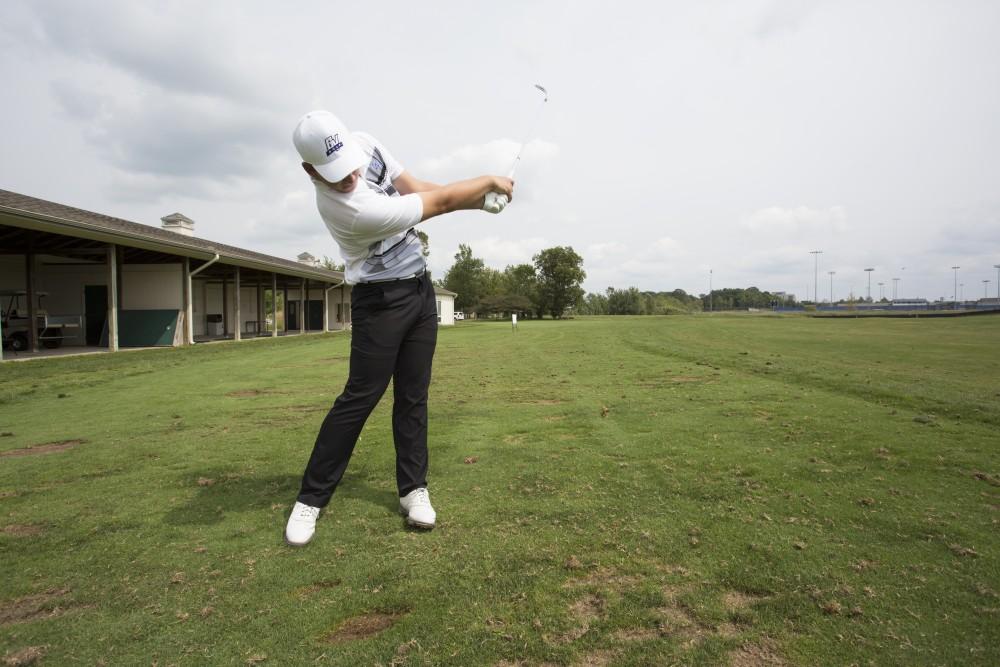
(550, 285)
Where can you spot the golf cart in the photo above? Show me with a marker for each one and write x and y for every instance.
(51, 329)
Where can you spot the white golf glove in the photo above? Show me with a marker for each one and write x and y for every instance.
(495, 202)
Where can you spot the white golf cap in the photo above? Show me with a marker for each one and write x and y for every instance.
(325, 142)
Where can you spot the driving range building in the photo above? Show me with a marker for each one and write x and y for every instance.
(93, 282)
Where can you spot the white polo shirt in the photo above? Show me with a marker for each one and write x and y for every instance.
(373, 224)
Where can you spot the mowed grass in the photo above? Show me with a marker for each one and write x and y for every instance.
(704, 490)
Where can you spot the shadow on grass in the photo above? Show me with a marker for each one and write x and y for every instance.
(218, 497)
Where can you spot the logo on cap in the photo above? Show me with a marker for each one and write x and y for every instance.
(333, 144)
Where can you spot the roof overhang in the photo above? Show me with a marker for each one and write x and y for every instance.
(47, 223)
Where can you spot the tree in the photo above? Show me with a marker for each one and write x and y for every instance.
(466, 277)
(560, 274)
(330, 265)
(521, 281)
(624, 302)
(425, 243)
(594, 304)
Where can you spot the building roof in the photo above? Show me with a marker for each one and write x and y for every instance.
(29, 213)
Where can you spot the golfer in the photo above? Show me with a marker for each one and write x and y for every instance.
(370, 206)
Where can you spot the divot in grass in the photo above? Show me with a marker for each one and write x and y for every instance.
(584, 611)
(23, 530)
(33, 607)
(362, 627)
(761, 654)
(47, 448)
(29, 655)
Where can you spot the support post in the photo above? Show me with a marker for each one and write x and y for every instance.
(260, 305)
(112, 298)
(237, 329)
(302, 306)
(29, 284)
(274, 305)
(225, 306)
(326, 309)
(188, 303)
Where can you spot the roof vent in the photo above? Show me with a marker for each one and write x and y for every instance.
(178, 223)
(307, 259)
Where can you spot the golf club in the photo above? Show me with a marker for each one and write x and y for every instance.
(534, 124)
(496, 202)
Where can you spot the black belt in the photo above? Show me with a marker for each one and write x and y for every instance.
(415, 276)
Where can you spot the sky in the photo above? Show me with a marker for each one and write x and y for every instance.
(683, 144)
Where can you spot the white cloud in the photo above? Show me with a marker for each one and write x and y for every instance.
(493, 157)
(776, 219)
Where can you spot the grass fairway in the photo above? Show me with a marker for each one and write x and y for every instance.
(610, 491)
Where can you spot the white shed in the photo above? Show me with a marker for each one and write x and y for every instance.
(445, 306)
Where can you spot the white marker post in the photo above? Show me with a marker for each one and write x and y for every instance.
(513, 322)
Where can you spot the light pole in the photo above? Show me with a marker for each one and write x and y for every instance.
(997, 267)
(954, 294)
(986, 286)
(816, 254)
(869, 272)
(831, 286)
(961, 292)
(881, 291)
(895, 283)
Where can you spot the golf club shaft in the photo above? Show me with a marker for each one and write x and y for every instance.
(531, 129)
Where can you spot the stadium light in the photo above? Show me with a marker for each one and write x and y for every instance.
(816, 254)
(954, 295)
(986, 286)
(831, 286)
(869, 272)
(881, 291)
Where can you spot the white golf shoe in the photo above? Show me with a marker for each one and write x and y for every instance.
(301, 524)
(416, 507)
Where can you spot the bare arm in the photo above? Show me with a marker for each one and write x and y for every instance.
(464, 195)
(407, 184)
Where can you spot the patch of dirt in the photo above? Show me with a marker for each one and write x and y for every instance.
(544, 401)
(603, 576)
(515, 439)
(47, 448)
(673, 569)
(673, 591)
(555, 418)
(362, 627)
(992, 480)
(600, 658)
(636, 635)
(678, 622)
(305, 409)
(728, 630)
(22, 530)
(584, 611)
(756, 655)
(959, 550)
(306, 591)
(32, 607)
(737, 601)
(26, 656)
(247, 393)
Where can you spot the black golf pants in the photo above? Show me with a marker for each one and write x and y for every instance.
(394, 335)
